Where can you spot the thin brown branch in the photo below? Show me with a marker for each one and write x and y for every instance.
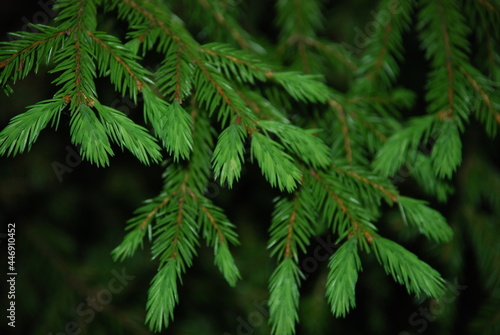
(214, 224)
(289, 231)
(253, 106)
(148, 218)
(177, 91)
(221, 19)
(383, 190)
(331, 51)
(345, 130)
(5, 62)
(488, 5)
(381, 54)
(370, 126)
(120, 61)
(483, 95)
(333, 195)
(236, 60)
(179, 220)
(149, 16)
(304, 58)
(448, 57)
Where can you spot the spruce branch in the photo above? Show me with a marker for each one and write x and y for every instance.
(292, 225)
(90, 133)
(163, 296)
(120, 64)
(345, 129)
(299, 20)
(241, 65)
(23, 129)
(444, 25)
(277, 166)
(137, 227)
(262, 106)
(367, 183)
(227, 22)
(126, 133)
(302, 143)
(337, 205)
(407, 269)
(174, 76)
(378, 66)
(403, 145)
(429, 221)
(330, 152)
(340, 287)
(228, 154)
(19, 56)
(215, 93)
(284, 297)
(334, 53)
(487, 111)
(219, 232)
(175, 239)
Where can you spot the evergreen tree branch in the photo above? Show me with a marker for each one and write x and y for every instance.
(23, 129)
(291, 229)
(407, 269)
(19, 56)
(345, 130)
(219, 232)
(217, 94)
(430, 222)
(340, 287)
(338, 207)
(261, 106)
(277, 166)
(176, 236)
(228, 154)
(378, 66)
(201, 155)
(298, 21)
(125, 72)
(302, 143)
(226, 21)
(437, 17)
(205, 101)
(244, 66)
(284, 297)
(126, 133)
(336, 51)
(174, 76)
(292, 224)
(137, 226)
(382, 186)
(491, 116)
